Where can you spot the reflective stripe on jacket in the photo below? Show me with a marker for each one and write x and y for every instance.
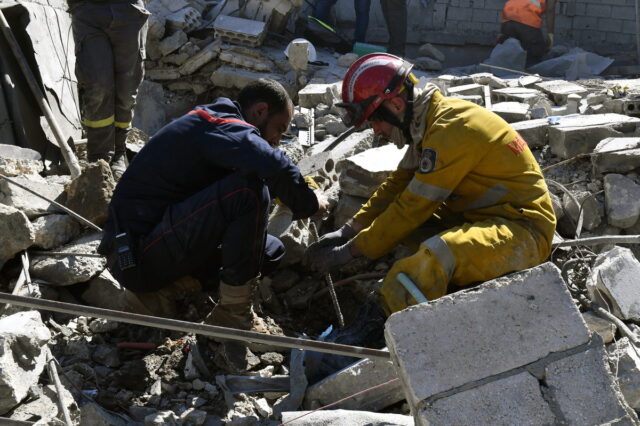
(528, 12)
(472, 161)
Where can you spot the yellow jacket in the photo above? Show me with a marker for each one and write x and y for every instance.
(472, 161)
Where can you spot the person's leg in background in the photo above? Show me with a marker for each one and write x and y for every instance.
(362, 19)
(127, 34)
(94, 71)
(322, 10)
(395, 16)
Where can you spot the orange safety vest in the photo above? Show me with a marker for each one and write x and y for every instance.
(528, 12)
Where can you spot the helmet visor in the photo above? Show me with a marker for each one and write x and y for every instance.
(354, 112)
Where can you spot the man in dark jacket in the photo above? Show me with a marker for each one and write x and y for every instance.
(195, 200)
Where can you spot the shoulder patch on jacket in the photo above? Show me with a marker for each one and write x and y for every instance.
(427, 160)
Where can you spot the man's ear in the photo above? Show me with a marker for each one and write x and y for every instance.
(261, 111)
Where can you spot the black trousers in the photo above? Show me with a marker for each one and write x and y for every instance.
(217, 234)
(395, 16)
(530, 38)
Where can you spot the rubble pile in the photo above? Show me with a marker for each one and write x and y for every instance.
(549, 354)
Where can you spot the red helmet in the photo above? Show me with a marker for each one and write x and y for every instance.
(368, 82)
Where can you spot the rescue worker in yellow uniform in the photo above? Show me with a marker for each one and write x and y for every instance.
(522, 19)
(466, 173)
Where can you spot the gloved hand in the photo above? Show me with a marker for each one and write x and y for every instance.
(323, 258)
(334, 238)
(549, 41)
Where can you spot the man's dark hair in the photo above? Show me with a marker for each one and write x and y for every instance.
(265, 90)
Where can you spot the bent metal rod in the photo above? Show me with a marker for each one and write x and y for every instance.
(191, 327)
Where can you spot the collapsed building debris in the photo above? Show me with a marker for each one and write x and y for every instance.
(524, 348)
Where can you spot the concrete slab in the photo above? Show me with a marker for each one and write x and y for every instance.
(352, 379)
(614, 282)
(535, 132)
(466, 89)
(31, 205)
(514, 400)
(578, 134)
(559, 90)
(622, 200)
(16, 161)
(576, 382)
(229, 77)
(501, 325)
(313, 94)
(361, 174)
(512, 112)
(618, 155)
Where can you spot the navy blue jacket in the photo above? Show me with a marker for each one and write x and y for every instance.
(194, 151)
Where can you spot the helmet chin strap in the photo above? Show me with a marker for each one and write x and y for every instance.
(405, 124)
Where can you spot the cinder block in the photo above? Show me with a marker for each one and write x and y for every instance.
(535, 132)
(483, 15)
(460, 13)
(619, 155)
(610, 24)
(467, 89)
(313, 94)
(582, 387)
(623, 12)
(514, 400)
(467, 336)
(241, 31)
(516, 94)
(580, 134)
(599, 10)
(559, 90)
(354, 378)
(512, 111)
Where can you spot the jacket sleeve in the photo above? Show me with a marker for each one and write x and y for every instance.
(425, 192)
(384, 195)
(247, 153)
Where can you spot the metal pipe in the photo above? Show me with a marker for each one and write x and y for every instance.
(55, 203)
(411, 287)
(53, 374)
(69, 156)
(191, 327)
(594, 241)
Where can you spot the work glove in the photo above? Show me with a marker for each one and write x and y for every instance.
(324, 258)
(426, 272)
(334, 238)
(549, 40)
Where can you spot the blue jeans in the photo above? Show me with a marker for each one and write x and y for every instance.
(323, 7)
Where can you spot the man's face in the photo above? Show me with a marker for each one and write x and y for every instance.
(376, 120)
(272, 126)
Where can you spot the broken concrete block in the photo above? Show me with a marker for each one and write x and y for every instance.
(625, 363)
(534, 132)
(350, 380)
(23, 349)
(488, 79)
(16, 161)
(504, 324)
(155, 27)
(346, 417)
(147, 116)
(593, 211)
(162, 74)
(613, 282)
(30, 204)
(54, 230)
(313, 94)
(298, 54)
(296, 239)
(427, 64)
(362, 174)
(516, 94)
(508, 401)
(580, 134)
(616, 155)
(604, 328)
(205, 55)
(90, 193)
(246, 60)
(556, 203)
(467, 89)
(71, 269)
(186, 19)
(16, 233)
(622, 200)
(576, 381)
(44, 406)
(512, 111)
(233, 78)
(352, 145)
(241, 31)
(94, 415)
(347, 59)
(346, 208)
(172, 43)
(476, 99)
(559, 90)
(431, 51)
(105, 292)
